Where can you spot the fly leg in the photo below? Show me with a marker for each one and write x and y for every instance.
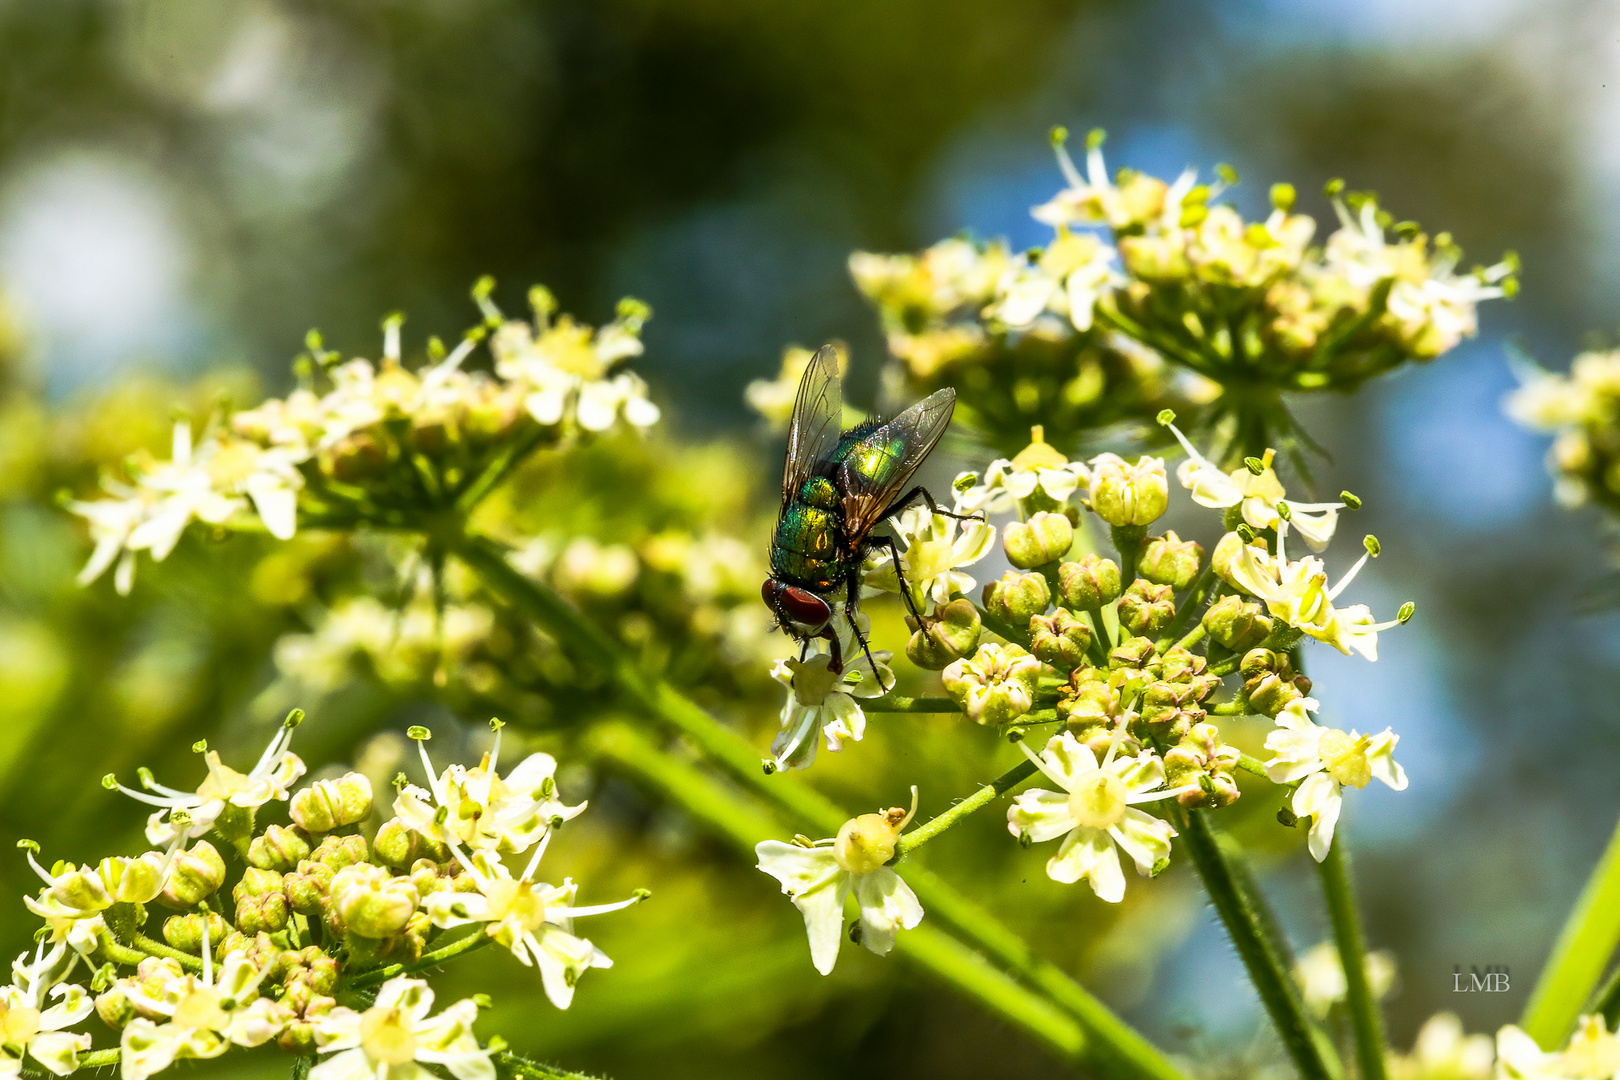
(851, 609)
(911, 496)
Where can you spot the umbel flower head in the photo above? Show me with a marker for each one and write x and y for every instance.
(1582, 409)
(1094, 810)
(820, 876)
(380, 443)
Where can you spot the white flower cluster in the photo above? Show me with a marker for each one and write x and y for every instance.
(381, 438)
(1583, 410)
(213, 984)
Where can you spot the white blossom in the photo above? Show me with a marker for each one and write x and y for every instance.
(936, 547)
(1094, 810)
(271, 777)
(819, 877)
(394, 1038)
(1327, 760)
(821, 702)
(32, 1028)
(534, 920)
(1258, 493)
(205, 1014)
(483, 810)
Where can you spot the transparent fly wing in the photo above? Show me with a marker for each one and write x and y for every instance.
(815, 427)
(877, 469)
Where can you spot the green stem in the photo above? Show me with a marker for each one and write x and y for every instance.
(1002, 628)
(931, 828)
(462, 945)
(1100, 635)
(521, 1068)
(896, 703)
(744, 825)
(1580, 954)
(98, 1059)
(158, 948)
(1264, 958)
(1253, 765)
(1193, 637)
(1111, 1039)
(1364, 1018)
(121, 954)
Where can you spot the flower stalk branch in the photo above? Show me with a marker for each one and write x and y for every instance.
(1580, 954)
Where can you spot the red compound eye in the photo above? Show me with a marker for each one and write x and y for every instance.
(799, 605)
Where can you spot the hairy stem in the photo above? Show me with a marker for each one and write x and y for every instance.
(98, 1059)
(521, 1068)
(158, 948)
(987, 794)
(1263, 957)
(1365, 1021)
(1580, 954)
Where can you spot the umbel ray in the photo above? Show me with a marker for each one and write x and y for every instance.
(837, 486)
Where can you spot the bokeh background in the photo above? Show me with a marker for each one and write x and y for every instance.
(187, 186)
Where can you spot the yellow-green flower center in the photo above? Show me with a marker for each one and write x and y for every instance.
(1097, 800)
(515, 900)
(200, 1010)
(1345, 758)
(865, 843)
(387, 1037)
(813, 681)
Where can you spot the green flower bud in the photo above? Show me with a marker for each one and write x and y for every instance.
(280, 848)
(1090, 583)
(1127, 494)
(370, 902)
(996, 686)
(340, 851)
(1237, 624)
(396, 845)
(1179, 665)
(1270, 682)
(1130, 653)
(261, 903)
(1044, 538)
(1170, 709)
(1060, 639)
(114, 1007)
(426, 877)
(1170, 560)
(1146, 609)
(185, 932)
(307, 889)
(1089, 701)
(1016, 598)
(952, 634)
(1201, 759)
(328, 804)
(194, 876)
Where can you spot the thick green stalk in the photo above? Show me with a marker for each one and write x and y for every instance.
(1580, 954)
(1265, 959)
(1112, 1039)
(744, 824)
(1364, 1018)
